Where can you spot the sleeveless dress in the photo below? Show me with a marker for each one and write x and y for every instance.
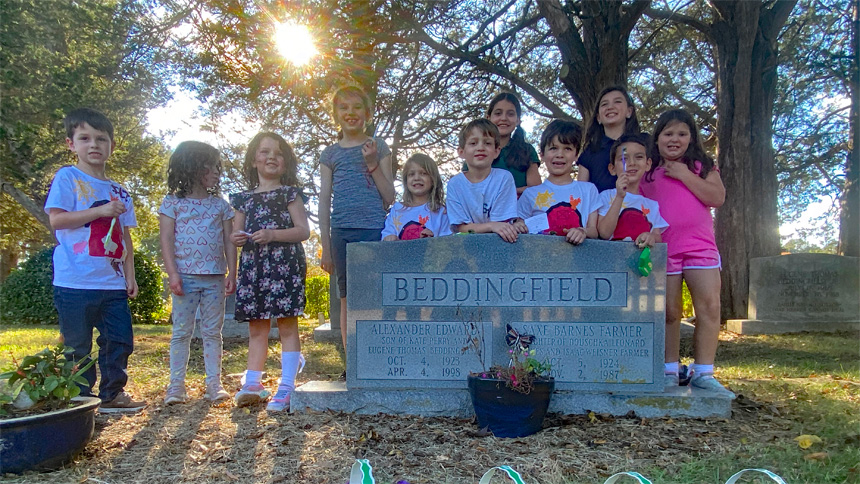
(271, 282)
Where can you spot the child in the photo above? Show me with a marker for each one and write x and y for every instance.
(686, 184)
(570, 206)
(624, 213)
(517, 156)
(614, 115)
(483, 199)
(422, 213)
(195, 230)
(357, 187)
(270, 225)
(94, 261)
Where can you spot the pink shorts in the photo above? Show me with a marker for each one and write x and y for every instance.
(698, 259)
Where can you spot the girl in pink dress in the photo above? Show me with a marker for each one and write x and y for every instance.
(686, 183)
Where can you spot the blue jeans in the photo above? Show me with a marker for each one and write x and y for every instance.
(80, 311)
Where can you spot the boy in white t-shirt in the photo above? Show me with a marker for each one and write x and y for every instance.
(562, 205)
(483, 199)
(625, 214)
(94, 261)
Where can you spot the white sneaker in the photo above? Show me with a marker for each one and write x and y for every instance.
(281, 400)
(251, 395)
(706, 381)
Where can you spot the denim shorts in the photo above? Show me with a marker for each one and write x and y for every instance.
(339, 239)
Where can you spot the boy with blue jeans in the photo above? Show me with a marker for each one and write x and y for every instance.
(94, 261)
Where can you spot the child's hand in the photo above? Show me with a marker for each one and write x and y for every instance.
(263, 236)
(230, 285)
(131, 288)
(371, 156)
(325, 260)
(520, 226)
(505, 230)
(676, 170)
(575, 235)
(112, 209)
(621, 185)
(426, 233)
(389, 238)
(175, 283)
(239, 238)
(646, 239)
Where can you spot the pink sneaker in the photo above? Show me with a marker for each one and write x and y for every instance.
(251, 394)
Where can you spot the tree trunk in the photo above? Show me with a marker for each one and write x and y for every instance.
(849, 223)
(747, 225)
(8, 261)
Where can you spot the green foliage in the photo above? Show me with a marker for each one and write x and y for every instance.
(27, 294)
(149, 306)
(686, 301)
(316, 295)
(48, 378)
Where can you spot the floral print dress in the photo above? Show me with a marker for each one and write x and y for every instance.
(271, 281)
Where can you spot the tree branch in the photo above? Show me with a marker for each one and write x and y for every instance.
(702, 27)
(27, 203)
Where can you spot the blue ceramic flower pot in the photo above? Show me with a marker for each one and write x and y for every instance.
(46, 441)
(508, 413)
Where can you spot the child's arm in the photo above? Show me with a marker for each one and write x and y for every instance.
(63, 220)
(325, 218)
(532, 178)
(230, 253)
(380, 170)
(709, 190)
(607, 223)
(582, 173)
(299, 232)
(238, 236)
(167, 236)
(128, 264)
(506, 231)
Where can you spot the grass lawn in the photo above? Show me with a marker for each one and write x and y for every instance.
(788, 385)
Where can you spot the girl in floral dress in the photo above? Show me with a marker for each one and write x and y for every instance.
(270, 225)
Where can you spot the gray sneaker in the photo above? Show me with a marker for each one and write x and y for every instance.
(281, 400)
(706, 381)
(215, 393)
(122, 403)
(175, 394)
(670, 380)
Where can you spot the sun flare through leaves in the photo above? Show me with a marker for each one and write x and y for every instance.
(295, 43)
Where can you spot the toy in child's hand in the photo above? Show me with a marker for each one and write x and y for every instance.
(624, 158)
(645, 264)
(110, 245)
(245, 233)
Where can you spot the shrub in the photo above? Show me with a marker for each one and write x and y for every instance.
(316, 295)
(27, 296)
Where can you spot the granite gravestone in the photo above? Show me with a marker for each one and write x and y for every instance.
(422, 314)
(801, 292)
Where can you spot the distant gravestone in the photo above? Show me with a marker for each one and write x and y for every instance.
(801, 292)
(423, 314)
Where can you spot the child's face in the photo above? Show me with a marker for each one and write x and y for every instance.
(92, 146)
(504, 116)
(559, 157)
(480, 150)
(673, 141)
(613, 109)
(351, 113)
(636, 158)
(269, 160)
(211, 176)
(418, 181)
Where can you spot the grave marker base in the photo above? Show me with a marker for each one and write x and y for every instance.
(755, 326)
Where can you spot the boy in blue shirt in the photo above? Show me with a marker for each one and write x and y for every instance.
(94, 261)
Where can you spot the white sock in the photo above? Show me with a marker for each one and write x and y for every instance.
(253, 377)
(671, 368)
(702, 369)
(290, 362)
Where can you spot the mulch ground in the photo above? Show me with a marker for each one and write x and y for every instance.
(197, 442)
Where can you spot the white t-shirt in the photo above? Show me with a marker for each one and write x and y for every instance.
(199, 233)
(566, 206)
(408, 222)
(638, 214)
(493, 199)
(86, 258)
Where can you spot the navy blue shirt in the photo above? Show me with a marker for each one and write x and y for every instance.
(597, 164)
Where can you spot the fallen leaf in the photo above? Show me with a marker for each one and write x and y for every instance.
(805, 441)
(592, 418)
(816, 456)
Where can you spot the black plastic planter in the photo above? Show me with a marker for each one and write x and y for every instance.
(508, 413)
(46, 441)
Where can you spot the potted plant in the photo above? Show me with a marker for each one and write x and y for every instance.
(511, 401)
(44, 422)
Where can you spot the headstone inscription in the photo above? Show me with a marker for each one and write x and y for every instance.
(801, 292)
(423, 314)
